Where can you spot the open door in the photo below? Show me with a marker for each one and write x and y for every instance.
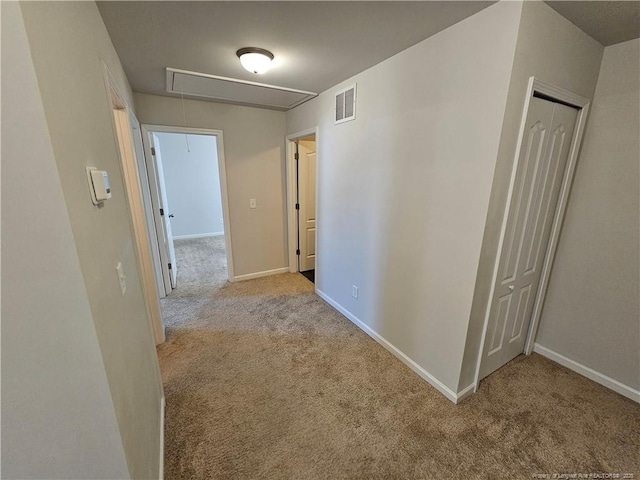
(307, 204)
(302, 215)
(148, 205)
(165, 214)
(161, 213)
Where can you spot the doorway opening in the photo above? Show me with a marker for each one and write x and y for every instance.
(187, 185)
(302, 155)
(551, 131)
(125, 126)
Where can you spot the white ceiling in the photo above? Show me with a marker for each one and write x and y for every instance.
(316, 44)
(608, 22)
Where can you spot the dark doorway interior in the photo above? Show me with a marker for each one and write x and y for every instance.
(310, 275)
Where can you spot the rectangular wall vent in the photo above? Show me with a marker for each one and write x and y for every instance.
(346, 104)
(232, 90)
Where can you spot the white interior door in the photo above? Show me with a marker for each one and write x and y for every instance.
(157, 209)
(307, 212)
(148, 206)
(165, 211)
(541, 167)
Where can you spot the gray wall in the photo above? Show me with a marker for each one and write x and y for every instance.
(554, 50)
(58, 419)
(192, 181)
(592, 312)
(70, 46)
(404, 189)
(254, 156)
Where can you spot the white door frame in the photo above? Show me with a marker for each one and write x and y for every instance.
(551, 92)
(292, 222)
(123, 134)
(148, 129)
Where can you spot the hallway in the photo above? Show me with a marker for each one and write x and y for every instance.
(264, 380)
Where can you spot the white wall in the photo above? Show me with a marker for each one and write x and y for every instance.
(404, 189)
(554, 50)
(592, 312)
(254, 156)
(58, 419)
(192, 181)
(69, 44)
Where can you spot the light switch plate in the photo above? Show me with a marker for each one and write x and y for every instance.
(252, 203)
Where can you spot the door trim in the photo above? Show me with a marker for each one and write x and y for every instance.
(123, 137)
(147, 129)
(292, 225)
(551, 92)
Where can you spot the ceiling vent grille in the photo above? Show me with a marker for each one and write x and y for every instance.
(346, 104)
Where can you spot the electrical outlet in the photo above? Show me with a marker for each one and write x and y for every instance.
(252, 203)
(221, 220)
(354, 292)
(121, 278)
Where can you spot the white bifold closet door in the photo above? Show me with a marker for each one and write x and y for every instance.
(541, 168)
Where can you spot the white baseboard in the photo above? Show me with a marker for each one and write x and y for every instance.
(266, 273)
(590, 373)
(161, 467)
(465, 392)
(198, 235)
(433, 381)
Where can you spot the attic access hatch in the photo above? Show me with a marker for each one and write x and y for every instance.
(233, 90)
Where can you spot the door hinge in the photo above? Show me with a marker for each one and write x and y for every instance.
(296, 156)
(153, 150)
(169, 266)
(162, 212)
(298, 252)
(297, 206)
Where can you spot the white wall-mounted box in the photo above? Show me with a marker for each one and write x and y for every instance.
(98, 185)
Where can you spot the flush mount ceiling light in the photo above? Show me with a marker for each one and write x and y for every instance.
(255, 60)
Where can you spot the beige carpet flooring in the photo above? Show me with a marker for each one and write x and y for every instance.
(263, 380)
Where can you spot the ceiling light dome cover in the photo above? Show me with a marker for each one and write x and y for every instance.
(254, 59)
